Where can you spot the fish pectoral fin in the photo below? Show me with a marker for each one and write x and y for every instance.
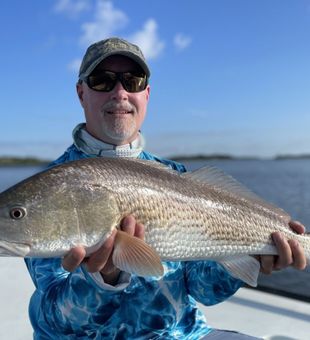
(134, 256)
(245, 268)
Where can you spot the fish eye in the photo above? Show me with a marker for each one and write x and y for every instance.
(17, 213)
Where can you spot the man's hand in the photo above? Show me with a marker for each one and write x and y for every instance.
(289, 252)
(101, 260)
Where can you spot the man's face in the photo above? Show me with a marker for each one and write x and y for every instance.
(114, 117)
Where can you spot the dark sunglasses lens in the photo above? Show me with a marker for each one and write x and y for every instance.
(134, 83)
(102, 82)
(105, 81)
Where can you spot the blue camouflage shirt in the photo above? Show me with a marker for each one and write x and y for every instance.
(80, 305)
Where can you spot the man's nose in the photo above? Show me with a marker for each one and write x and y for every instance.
(119, 92)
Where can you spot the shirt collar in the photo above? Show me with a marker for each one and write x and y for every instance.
(90, 145)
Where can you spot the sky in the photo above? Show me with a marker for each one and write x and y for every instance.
(228, 76)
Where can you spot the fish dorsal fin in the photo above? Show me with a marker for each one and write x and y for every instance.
(134, 256)
(217, 178)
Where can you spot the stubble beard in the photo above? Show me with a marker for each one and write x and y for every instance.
(120, 129)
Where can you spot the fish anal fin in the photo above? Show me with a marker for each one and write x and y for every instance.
(245, 268)
(134, 256)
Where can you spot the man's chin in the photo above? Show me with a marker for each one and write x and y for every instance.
(121, 138)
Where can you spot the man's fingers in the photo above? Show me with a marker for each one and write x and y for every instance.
(300, 261)
(298, 227)
(140, 231)
(73, 258)
(98, 259)
(285, 257)
(266, 263)
(128, 224)
(101, 259)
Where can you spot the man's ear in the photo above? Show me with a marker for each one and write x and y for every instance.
(148, 91)
(79, 91)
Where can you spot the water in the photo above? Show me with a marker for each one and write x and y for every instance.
(10, 175)
(285, 183)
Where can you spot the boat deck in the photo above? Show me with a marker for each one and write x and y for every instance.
(262, 314)
(249, 311)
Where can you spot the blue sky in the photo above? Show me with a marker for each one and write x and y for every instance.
(228, 76)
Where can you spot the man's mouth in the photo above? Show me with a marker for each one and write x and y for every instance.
(119, 112)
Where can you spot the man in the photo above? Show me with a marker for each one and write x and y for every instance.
(89, 298)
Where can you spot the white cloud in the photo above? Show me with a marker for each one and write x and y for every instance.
(72, 7)
(107, 21)
(148, 40)
(181, 41)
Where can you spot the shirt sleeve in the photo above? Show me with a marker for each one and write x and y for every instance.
(123, 281)
(208, 282)
(67, 302)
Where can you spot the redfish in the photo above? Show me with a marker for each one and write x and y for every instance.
(202, 215)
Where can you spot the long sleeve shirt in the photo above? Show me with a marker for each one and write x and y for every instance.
(79, 305)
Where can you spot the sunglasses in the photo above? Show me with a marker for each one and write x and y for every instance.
(105, 81)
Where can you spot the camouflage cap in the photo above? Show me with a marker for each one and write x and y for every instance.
(105, 48)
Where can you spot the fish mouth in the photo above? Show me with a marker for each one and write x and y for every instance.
(13, 249)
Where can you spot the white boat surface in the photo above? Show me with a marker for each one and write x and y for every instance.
(249, 311)
(262, 314)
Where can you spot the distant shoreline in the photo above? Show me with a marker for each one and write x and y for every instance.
(22, 161)
(236, 158)
(33, 161)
